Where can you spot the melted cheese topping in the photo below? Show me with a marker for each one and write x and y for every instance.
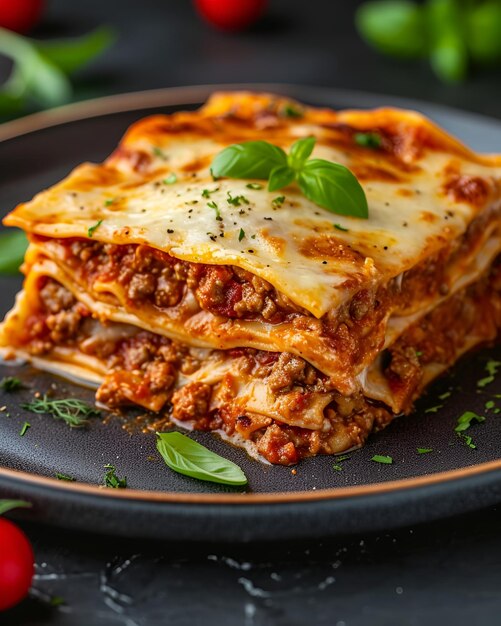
(423, 190)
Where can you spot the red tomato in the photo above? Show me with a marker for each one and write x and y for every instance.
(231, 14)
(16, 564)
(20, 15)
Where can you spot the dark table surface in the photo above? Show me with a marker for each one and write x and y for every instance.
(429, 574)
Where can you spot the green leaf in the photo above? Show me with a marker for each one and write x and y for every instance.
(32, 76)
(424, 450)
(448, 52)
(280, 177)
(91, 229)
(188, 457)
(12, 249)
(8, 505)
(112, 480)
(70, 55)
(465, 420)
(368, 140)
(379, 458)
(333, 187)
(251, 159)
(483, 32)
(394, 27)
(10, 383)
(300, 151)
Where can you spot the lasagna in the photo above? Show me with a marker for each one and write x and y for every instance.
(288, 329)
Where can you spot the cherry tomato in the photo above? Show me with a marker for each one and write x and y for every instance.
(231, 14)
(16, 564)
(20, 15)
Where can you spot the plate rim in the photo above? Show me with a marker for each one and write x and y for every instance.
(193, 94)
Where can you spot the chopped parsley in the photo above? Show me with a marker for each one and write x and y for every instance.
(380, 458)
(254, 186)
(368, 140)
(290, 110)
(490, 404)
(339, 227)
(109, 202)
(445, 395)
(465, 420)
(241, 234)
(66, 477)
(207, 192)
(25, 427)
(434, 409)
(111, 479)
(424, 450)
(214, 206)
(492, 368)
(340, 459)
(236, 200)
(468, 441)
(91, 229)
(158, 152)
(171, 179)
(278, 201)
(72, 411)
(10, 383)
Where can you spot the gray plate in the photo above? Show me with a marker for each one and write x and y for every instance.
(318, 500)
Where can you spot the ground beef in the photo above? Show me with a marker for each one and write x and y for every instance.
(191, 402)
(290, 370)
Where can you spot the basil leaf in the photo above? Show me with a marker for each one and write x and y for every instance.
(32, 75)
(250, 159)
(8, 505)
(71, 54)
(300, 151)
(395, 27)
(465, 420)
(12, 249)
(280, 177)
(483, 32)
(190, 458)
(333, 187)
(448, 54)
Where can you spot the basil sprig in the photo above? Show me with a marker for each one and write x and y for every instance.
(13, 246)
(453, 35)
(330, 185)
(190, 458)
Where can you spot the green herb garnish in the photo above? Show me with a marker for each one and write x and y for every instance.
(434, 409)
(188, 457)
(379, 458)
(368, 140)
(214, 206)
(445, 395)
(66, 477)
(330, 185)
(278, 201)
(490, 404)
(236, 200)
(241, 234)
(339, 227)
(158, 152)
(207, 192)
(424, 450)
(492, 368)
(170, 180)
(90, 231)
(10, 383)
(24, 428)
(72, 411)
(112, 480)
(467, 440)
(8, 505)
(13, 247)
(290, 110)
(340, 459)
(254, 186)
(465, 420)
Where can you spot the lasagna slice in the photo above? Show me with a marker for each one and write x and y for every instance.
(288, 329)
